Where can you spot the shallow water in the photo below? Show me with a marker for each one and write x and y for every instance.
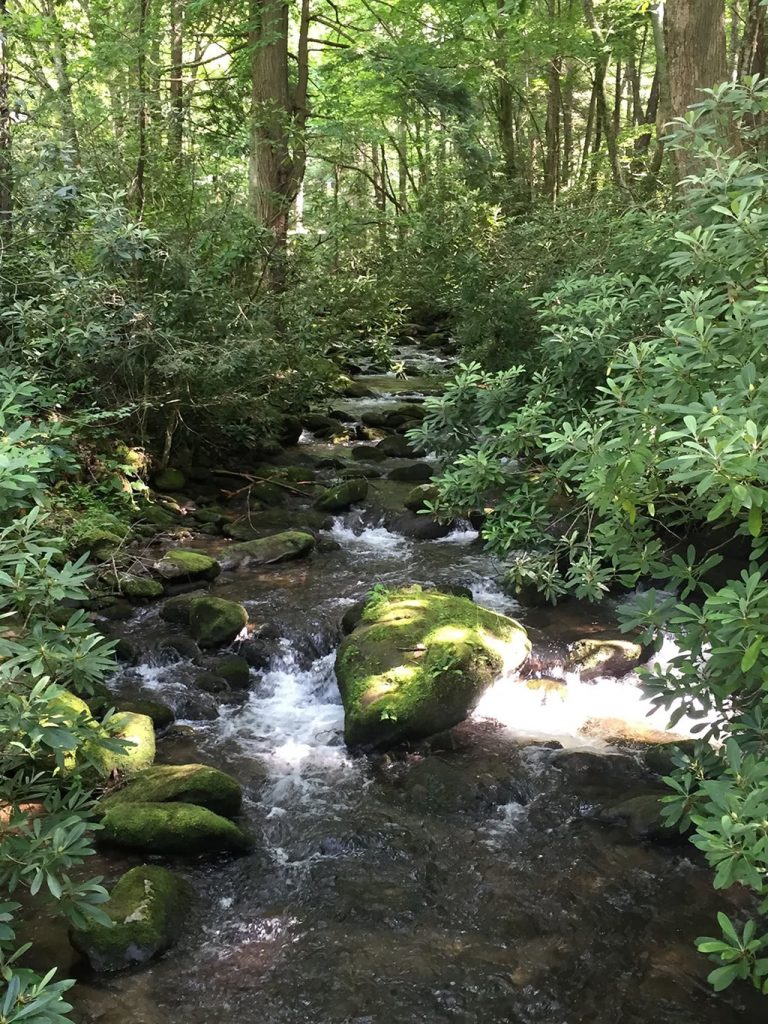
(464, 883)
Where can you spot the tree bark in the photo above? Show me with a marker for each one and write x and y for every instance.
(753, 50)
(696, 53)
(63, 82)
(278, 120)
(176, 86)
(6, 166)
(605, 118)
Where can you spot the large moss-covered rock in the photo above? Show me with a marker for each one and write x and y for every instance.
(281, 547)
(101, 545)
(182, 564)
(593, 658)
(138, 732)
(185, 783)
(177, 609)
(147, 909)
(214, 621)
(343, 496)
(171, 828)
(137, 588)
(233, 669)
(418, 662)
(170, 480)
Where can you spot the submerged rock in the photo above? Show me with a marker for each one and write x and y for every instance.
(183, 564)
(147, 908)
(418, 662)
(593, 658)
(171, 828)
(234, 669)
(281, 547)
(641, 816)
(214, 621)
(187, 783)
(343, 496)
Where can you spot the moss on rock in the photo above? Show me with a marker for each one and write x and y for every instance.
(137, 588)
(186, 783)
(177, 609)
(183, 564)
(234, 669)
(171, 828)
(341, 497)
(147, 909)
(419, 661)
(281, 547)
(100, 545)
(214, 621)
(138, 732)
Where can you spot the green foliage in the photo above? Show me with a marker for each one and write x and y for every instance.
(638, 453)
(47, 735)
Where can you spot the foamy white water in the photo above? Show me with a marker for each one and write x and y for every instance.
(293, 723)
(375, 540)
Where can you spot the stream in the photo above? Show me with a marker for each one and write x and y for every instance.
(467, 882)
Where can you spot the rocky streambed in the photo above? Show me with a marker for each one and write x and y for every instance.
(511, 868)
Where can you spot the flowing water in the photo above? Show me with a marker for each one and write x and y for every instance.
(467, 882)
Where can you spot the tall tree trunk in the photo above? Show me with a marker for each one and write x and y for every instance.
(278, 120)
(552, 130)
(6, 165)
(63, 81)
(270, 155)
(605, 118)
(176, 87)
(138, 186)
(696, 55)
(753, 50)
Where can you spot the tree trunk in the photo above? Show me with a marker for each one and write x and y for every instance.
(753, 50)
(278, 120)
(696, 55)
(6, 167)
(605, 118)
(138, 186)
(176, 87)
(270, 156)
(63, 82)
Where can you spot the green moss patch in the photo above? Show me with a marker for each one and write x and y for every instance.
(186, 783)
(419, 661)
(214, 621)
(147, 909)
(342, 497)
(281, 547)
(173, 828)
(182, 564)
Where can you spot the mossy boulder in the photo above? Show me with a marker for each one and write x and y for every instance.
(397, 447)
(136, 588)
(177, 609)
(343, 496)
(234, 669)
(214, 621)
(412, 472)
(281, 547)
(101, 545)
(592, 657)
(183, 564)
(418, 662)
(158, 517)
(417, 499)
(138, 732)
(211, 516)
(147, 908)
(178, 828)
(369, 453)
(170, 480)
(185, 783)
